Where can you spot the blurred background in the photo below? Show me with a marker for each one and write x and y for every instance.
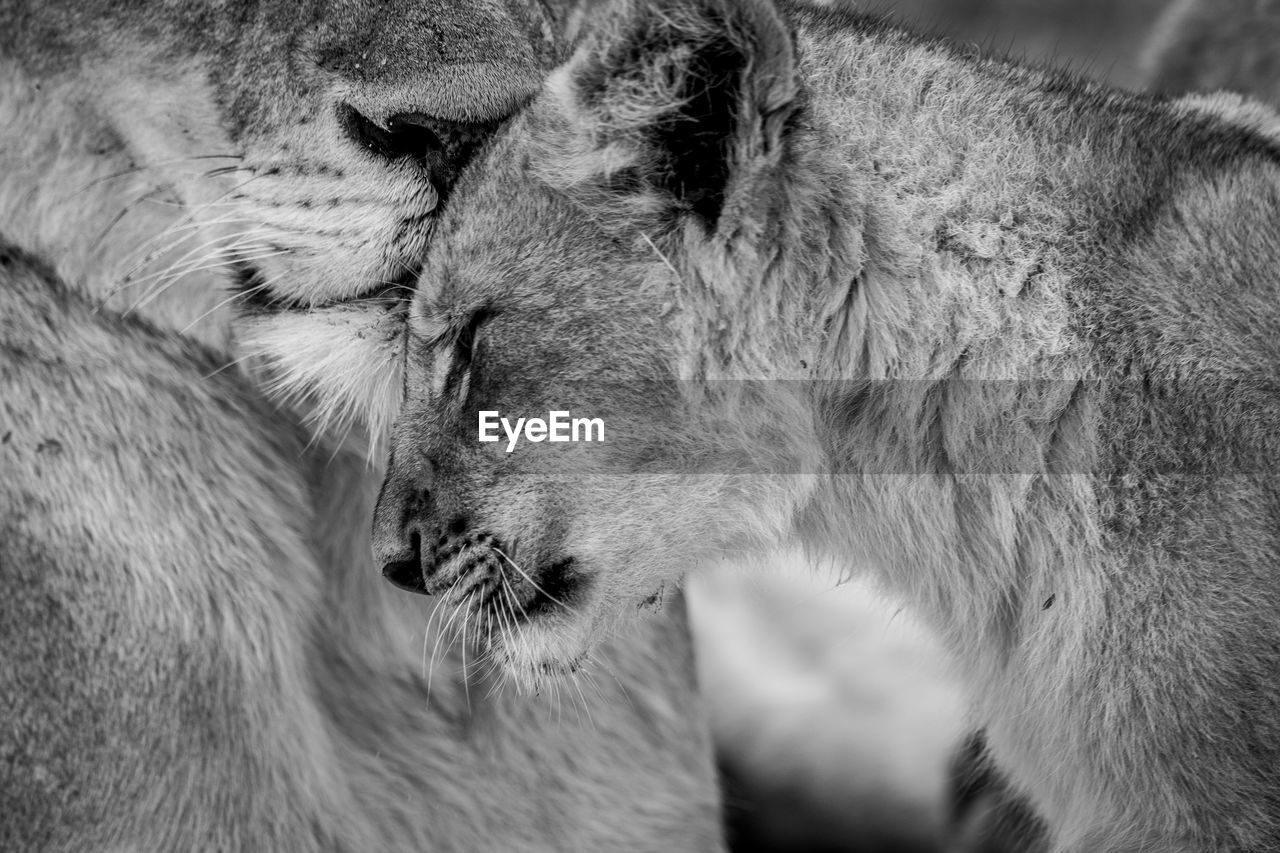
(835, 715)
(1101, 39)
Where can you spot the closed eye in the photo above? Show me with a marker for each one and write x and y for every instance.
(465, 345)
(452, 376)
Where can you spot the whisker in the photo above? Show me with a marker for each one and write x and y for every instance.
(146, 254)
(588, 673)
(426, 638)
(444, 632)
(507, 589)
(505, 637)
(559, 686)
(133, 170)
(531, 581)
(665, 260)
(244, 294)
(232, 363)
(127, 279)
(124, 211)
(227, 170)
(511, 599)
(164, 202)
(427, 634)
(466, 684)
(586, 708)
(202, 255)
(600, 663)
(395, 286)
(206, 263)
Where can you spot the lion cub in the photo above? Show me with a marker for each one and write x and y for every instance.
(1005, 336)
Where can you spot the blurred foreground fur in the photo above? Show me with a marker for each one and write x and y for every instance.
(848, 204)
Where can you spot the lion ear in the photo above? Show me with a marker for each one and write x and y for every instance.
(688, 98)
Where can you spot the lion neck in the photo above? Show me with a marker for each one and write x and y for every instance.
(935, 310)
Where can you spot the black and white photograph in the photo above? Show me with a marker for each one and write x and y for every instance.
(639, 426)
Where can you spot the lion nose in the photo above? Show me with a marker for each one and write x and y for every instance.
(439, 147)
(406, 574)
(405, 134)
(398, 532)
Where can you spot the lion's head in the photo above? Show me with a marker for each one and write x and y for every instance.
(295, 152)
(606, 259)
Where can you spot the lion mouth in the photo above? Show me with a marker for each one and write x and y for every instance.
(493, 585)
(478, 574)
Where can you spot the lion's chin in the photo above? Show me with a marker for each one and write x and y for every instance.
(540, 655)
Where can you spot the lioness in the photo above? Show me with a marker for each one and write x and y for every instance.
(157, 152)
(198, 653)
(1004, 335)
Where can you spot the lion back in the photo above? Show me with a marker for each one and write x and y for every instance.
(134, 595)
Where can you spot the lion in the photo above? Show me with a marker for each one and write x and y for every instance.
(161, 153)
(200, 203)
(999, 334)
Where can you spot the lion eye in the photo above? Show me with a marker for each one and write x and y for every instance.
(452, 375)
(464, 346)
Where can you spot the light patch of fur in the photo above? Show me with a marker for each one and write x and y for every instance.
(1249, 114)
(341, 366)
(835, 710)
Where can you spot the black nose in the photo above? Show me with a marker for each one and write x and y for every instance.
(441, 147)
(398, 522)
(408, 574)
(405, 134)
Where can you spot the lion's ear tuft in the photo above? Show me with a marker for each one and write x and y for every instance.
(684, 96)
